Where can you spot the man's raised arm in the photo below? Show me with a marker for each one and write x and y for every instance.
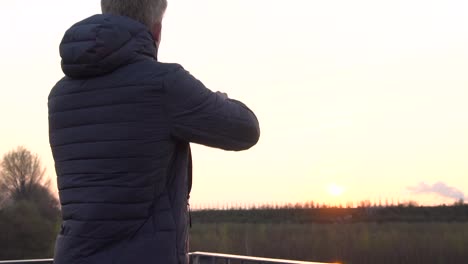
(201, 116)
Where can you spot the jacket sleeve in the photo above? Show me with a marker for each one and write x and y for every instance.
(201, 116)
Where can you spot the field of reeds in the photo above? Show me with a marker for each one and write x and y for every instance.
(348, 243)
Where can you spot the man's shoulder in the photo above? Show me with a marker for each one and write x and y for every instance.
(166, 68)
(55, 91)
(145, 71)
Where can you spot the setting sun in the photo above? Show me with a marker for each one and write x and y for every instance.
(335, 190)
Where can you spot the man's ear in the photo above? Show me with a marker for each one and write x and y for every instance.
(156, 32)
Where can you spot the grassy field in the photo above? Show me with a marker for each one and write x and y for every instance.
(353, 243)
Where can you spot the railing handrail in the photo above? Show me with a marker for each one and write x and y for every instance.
(27, 261)
(196, 255)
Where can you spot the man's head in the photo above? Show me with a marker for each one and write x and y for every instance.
(148, 12)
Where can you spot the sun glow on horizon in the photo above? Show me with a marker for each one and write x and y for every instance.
(335, 190)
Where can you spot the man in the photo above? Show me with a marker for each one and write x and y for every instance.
(120, 126)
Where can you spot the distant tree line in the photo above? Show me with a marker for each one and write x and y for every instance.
(29, 211)
(401, 213)
(309, 205)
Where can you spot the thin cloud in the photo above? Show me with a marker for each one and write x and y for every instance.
(438, 188)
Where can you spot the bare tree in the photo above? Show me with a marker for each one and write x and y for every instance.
(21, 175)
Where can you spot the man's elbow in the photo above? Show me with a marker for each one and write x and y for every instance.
(254, 136)
(247, 131)
(250, 137)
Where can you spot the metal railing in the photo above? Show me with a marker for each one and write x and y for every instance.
(33, 261)
(213, 258)
(196, 258)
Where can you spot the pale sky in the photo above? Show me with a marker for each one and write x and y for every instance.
(368, 95)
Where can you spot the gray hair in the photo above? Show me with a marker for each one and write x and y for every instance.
(147, 12)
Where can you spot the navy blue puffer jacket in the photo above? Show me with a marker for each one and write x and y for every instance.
(120, 125)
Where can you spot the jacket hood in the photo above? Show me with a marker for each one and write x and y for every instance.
(102, 43)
